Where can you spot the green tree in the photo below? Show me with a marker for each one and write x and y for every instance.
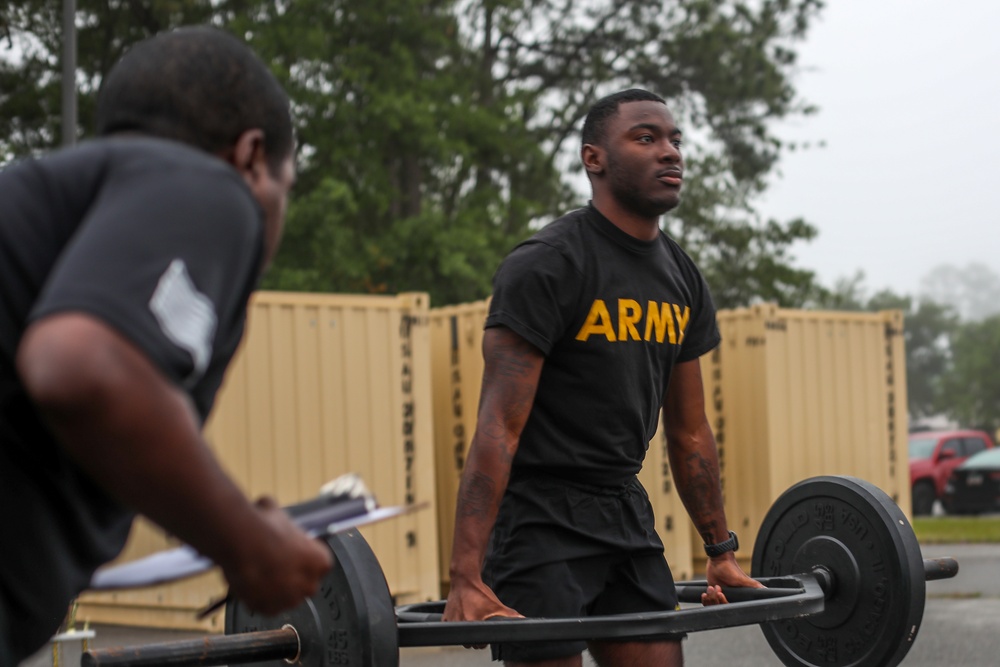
(743, 258)
(973, 290)
(970, 390)
(30, 60)
(29, 89)
(848, 293)
(408, 181)
(724, 68)
(435, 135)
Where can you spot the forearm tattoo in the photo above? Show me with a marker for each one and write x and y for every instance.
(512, 368)
(509, 383)
(476, 495)
(698, 485)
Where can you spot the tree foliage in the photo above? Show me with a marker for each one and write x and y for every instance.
(973, 290)
(435, 135)
(743, 258)
(31, 55)
(408, 181)
(971, 388)
(725, 69)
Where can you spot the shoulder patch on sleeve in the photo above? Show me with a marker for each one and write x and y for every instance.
(186, 316)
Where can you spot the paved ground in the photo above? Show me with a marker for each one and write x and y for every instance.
(961, 626)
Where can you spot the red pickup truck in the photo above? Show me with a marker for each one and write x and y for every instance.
(933, 455)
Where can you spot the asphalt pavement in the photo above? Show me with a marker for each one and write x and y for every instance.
(961, 626)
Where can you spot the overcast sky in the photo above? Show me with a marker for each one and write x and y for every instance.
(909, 177)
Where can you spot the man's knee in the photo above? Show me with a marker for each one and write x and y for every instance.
(633, 654)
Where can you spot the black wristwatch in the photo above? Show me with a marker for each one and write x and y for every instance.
(732, 544)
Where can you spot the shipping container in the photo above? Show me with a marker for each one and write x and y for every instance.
(323, 385)
(457, 373)
(792, 394)
(672, 522)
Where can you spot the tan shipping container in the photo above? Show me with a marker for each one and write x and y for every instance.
(323, 385)
(457, 372)
(793, 393)
(672, 522)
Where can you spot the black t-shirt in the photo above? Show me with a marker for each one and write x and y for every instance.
(164, 244)
(612, 314)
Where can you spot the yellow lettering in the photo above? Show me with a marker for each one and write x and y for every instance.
(663, 320)
(659, 320)
(682, 320)
(598, 322)
(629, 312)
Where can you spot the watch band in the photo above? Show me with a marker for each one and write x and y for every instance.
(732, 544)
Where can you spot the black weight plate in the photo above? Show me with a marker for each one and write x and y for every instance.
(304, 618)
(351, 619)
(852, 529)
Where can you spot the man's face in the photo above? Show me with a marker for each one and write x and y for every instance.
(644, 164)
(271, 191)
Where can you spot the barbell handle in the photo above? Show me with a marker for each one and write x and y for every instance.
(690, 591)
(282, 644)
(940, 568)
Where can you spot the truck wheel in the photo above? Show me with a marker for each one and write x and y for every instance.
(923, 498)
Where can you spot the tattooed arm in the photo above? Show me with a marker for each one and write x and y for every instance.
(694, 461)
(510, 378)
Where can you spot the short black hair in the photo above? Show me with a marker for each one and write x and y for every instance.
(198, 85)
(596, 124)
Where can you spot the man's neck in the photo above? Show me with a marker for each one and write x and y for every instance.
(641, 227)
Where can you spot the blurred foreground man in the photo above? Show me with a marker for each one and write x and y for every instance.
(126, 264)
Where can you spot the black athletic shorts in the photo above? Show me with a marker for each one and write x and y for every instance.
(6, 650)
(562, 549)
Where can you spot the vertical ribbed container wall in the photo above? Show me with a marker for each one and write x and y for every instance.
(456, 340)
(323, 385)
(672, 522)
(457, 371)
(794, 393)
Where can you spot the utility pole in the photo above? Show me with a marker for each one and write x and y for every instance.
(69, 73)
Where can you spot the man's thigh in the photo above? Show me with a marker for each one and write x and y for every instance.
(598, 585)
(641, 583)
(563, 589)
(636, 583)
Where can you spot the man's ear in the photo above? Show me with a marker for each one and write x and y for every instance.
(248, 155)
(593, 159)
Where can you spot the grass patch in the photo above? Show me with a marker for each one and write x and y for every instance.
(956, 596)
(957, 529)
